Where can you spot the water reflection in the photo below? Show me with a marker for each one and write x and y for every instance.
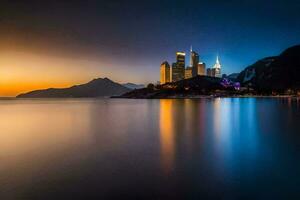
(155, 149)
(37, 136)
(225, 134)
(167, 134)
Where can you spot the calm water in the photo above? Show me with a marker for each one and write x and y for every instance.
(158, 149)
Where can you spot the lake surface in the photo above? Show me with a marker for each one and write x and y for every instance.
(233, 148)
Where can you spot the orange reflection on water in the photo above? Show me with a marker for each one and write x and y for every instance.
(41, 126)
(166, 134)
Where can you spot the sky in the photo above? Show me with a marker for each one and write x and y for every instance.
(59, 43)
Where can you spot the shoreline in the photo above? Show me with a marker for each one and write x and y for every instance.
(213, 97)
(170, 97)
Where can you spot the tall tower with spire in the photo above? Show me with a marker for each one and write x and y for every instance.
(194, 60)
(217, 68)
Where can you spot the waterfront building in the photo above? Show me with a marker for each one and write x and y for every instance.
(188, 73)
(194, 60)
(210, 72)
(178, 68)
(201, 69)
(173, 72)
(217, 68)
(165, 73)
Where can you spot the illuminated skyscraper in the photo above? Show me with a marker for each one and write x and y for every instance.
(201, 69)
(172, 71)
(188, 73)
(165, 73)
(178, 68)
(180, 58)
(194, 60)
(217, 68)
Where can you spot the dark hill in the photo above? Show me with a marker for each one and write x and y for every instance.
(278, 73)
(199, 85)
(133, 86)
(95, 88)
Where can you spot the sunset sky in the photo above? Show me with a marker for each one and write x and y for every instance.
(60, 43)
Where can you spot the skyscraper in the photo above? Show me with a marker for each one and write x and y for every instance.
(188, 73)
(217, 68)
(209, 72)
(194, 60)
(165, 73)
(180, 58)
(173, 73)
(178, 68)
(201, 68)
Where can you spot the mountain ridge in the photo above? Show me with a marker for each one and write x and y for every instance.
(98, 87)
(133, 86)
(274, 74)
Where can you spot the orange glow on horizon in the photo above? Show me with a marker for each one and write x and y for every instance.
(23, 72)
(33, 65)
(13, 89)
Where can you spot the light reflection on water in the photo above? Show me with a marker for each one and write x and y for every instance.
(166, 135)
(223, 147)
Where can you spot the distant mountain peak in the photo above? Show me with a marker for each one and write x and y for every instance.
(133, 86)
(98, 87)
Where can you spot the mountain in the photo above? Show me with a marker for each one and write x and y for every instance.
(133, 86)
(199, 85)
(251, 74)
(95, 88)
(233, 76)
(274, 74)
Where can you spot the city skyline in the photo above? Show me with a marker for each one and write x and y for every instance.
(59, 44)
(179, 70)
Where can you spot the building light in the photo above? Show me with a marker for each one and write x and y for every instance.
(180, 53)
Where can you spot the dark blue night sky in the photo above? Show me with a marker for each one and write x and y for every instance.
(142, 34)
